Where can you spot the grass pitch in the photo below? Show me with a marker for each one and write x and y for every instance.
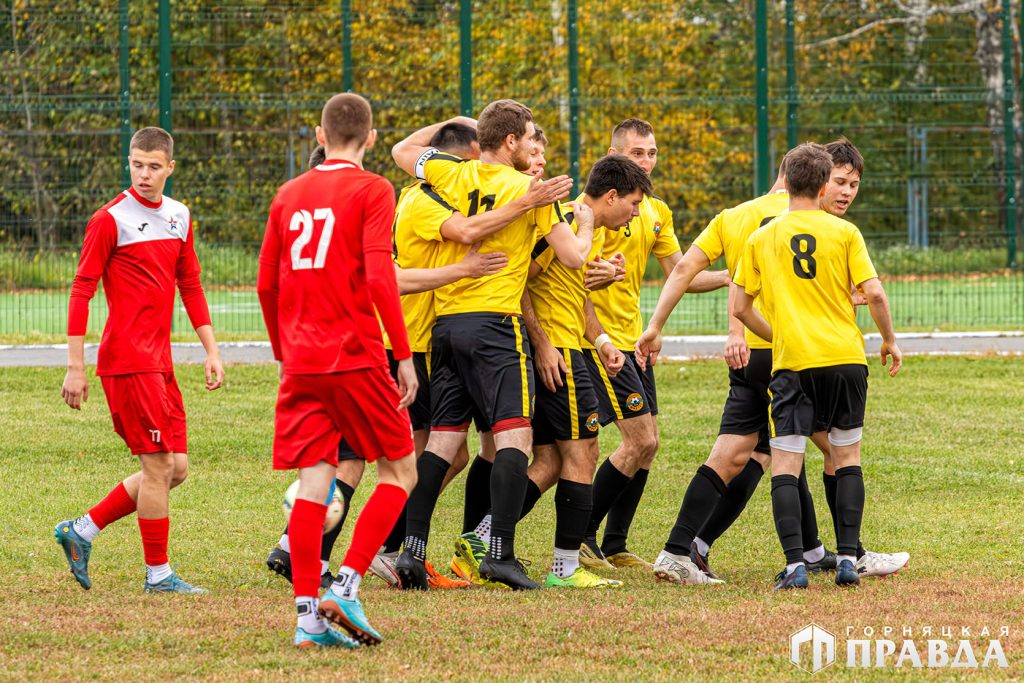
(944, 470)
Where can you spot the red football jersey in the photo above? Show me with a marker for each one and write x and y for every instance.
(325, 266)
(141, 250)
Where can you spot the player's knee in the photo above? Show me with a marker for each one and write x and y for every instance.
(158, 467)
(179, 475)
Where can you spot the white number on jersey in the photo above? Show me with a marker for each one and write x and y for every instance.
(302, 220)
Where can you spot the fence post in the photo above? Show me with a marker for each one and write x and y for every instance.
(762, 167)
(165, 74)
(1009, 139)
(792, 101)
(126, 100)
(466, 57)
(346, 46)
(574, 97)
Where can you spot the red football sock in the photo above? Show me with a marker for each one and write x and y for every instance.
(374, 524)
(116, 505)
(154, 540)
(305, 531)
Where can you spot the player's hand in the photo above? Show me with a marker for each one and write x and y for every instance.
(619, 261)
(481, 265)
(214, 371)
(859, 299)
(544, 192)
(582, 214)
(897, 357)
(550, 366)
(647, 346)
(408, 385)
(737, 352)
(611, 358)
(75, 389)
(600, 274)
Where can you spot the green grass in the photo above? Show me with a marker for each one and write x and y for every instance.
(944, 473)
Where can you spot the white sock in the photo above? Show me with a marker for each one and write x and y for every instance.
(566, 562)
(815, 555)
(790, 568)
(86, 528)
(346, 583)
(309, 619)
(325, 567)
(702, 547)
(157, 573)
(285, 543)
(851, 558)
(483, 529)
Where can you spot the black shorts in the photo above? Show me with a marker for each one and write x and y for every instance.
(481, 363)
(570, 412)
(746, 407)
(345, 451)
(818, 399)
(419, 411)
(625, 395)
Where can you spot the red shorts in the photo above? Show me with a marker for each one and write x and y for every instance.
(147, 411)
(315, 411)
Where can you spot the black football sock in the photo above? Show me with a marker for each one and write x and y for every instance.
(702, 495)
(430, 471)
(609, 482)
(620, 516)
(786, 510)
(850, 506)
(533, 494)
(737, 494)
(478, 494)
(329, 539)
(808, 518)
(508, 491)
(830, 497)
(394, 540)
(573, 503)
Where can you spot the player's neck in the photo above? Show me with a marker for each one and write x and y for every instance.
(496, 157)
(153, 201)
(599, 217)
(803, 204)
(349, 154)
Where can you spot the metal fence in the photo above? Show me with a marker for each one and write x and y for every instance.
(929, 91)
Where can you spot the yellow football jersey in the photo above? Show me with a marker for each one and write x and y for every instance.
(472, 187)
(558, 295)
(417, 242)
(802, 264)
(618, 306)
(727, 233)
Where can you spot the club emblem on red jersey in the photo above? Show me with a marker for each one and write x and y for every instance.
(172, 226)
(635, 402)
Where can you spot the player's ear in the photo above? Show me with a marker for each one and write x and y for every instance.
(320, 137)
(170, 167)
(371, 138)
(610, 196)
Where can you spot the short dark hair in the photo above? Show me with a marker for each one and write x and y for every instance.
(153, 139)
(631, 125)
(454, 137)
(317, 156)
(808, 167)
(538, 135)
(346, 119)
(500, 119)
(844, 153)
(617, 172)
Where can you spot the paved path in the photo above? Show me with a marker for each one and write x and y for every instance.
(675, 348)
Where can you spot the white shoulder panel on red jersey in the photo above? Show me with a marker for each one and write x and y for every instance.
(138, 223)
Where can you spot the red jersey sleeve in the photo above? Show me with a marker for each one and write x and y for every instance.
(378, 215)
(268, 279)
(191, 287)
(100, 242)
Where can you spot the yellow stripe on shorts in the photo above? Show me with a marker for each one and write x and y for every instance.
(426, 357)
(771, 423)
(522, 366)
(574, 413)
(607, 384)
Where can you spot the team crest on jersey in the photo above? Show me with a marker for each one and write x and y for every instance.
(592, 422)
(657, 228)
(172, 227)
(635, 402)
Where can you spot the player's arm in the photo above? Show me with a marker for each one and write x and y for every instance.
(878, 304)
(100, 241)
(470, 229)
(593, 332)
(572, 249)
(704, 281)
(682, 274)
(547, 361)
(473, 265)
(406, 152)
(743, 308)
(737, 351)
(190, 287)
(268, 280)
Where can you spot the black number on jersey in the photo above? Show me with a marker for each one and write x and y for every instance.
(626, 231)
(804, 264)
(475, 202)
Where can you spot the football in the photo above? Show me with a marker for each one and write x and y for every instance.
(335, 507)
